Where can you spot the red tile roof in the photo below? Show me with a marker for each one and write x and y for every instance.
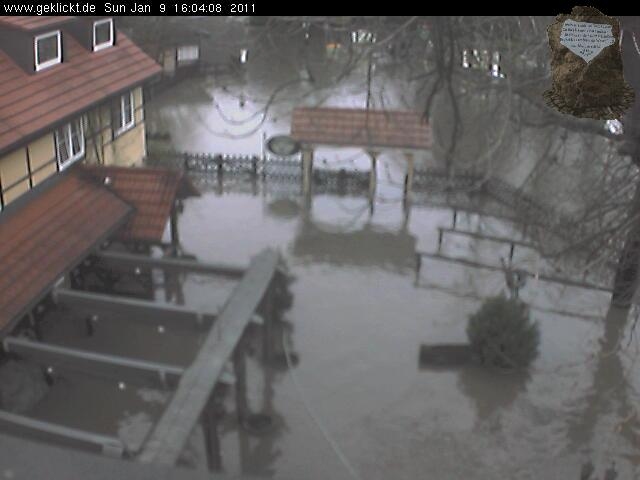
(360, 128)
(33, 23)
(44, 236)
(32, 103)
(152, 191)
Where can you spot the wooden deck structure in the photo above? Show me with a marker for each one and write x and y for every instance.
(196, 386)
(171, 264)
(193, 384)
(90, 362)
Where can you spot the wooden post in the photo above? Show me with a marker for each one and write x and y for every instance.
(34, 323)
(373, 175)
(408, 180)
(209, 421)
(175, 237)
(240, 371)
(254, 175)
(307, 170)
(218, 160)
(406, 205)
(267, 325)
(219, 164)
(89, 324)
(254, 168)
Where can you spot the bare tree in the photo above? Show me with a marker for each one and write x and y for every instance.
(487, 115)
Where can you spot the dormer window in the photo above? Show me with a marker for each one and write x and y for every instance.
(48, 50)
(102, 34)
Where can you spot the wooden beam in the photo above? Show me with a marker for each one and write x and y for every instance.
(210, 420)
(541, 276)
(135, 310)
(22, 425)
(170, 434)
(453, 292)
(408, 179)
(122, 368)
(307, 170)
(175, 264)
(492, 238)
(373, 175)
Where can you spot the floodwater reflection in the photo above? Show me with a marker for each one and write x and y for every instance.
(318, 242)
(490, 390)
(611, 397)
(358, 317)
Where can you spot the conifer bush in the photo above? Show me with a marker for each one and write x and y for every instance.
(502, 334)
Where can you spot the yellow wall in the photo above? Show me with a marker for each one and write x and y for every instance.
(41, 152)
(169, 61)
(126, 149)
(129, 148)
(138, 100)
(12, 168)
(94, 124)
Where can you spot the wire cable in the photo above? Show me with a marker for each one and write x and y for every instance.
(334, 446)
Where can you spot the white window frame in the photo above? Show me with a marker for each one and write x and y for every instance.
(68, 137)
(188, 50)
(107, 44)
(49, 63)
(123, 126)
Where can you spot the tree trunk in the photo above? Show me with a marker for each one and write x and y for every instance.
(626, 279)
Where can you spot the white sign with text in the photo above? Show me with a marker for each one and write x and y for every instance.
(585, 39)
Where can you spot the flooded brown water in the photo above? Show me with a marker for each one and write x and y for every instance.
(359, 319)
(358, 323)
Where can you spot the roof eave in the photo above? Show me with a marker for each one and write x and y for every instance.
(44, 292)
(61, 121)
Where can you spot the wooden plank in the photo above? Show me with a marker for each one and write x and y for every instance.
(541, 276)
(445, 355)
(491, 238)
(173, 264)
(174, 427)
(39, 429)
(93, 363)
(555, 311)
(135, 310)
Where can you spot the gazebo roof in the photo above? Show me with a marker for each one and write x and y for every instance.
(361, 128)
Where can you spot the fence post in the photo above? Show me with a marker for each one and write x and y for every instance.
(218, 160)
(254, 167)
